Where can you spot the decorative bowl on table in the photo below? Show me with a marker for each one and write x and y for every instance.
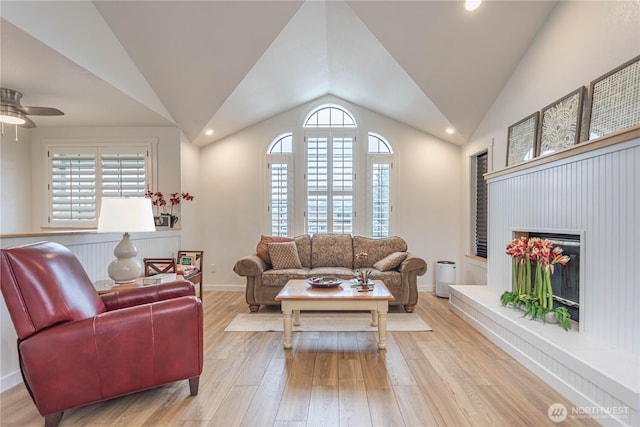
(324, 282)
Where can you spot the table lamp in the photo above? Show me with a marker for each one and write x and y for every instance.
(124, 215)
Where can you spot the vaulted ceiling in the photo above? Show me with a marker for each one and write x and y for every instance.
(225, 65)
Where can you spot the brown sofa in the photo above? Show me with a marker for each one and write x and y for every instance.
(335, 255)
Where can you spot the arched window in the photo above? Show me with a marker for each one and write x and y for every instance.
(329, 139)
(280, 165)
(330, 117)
(379, 165)
(327, 161)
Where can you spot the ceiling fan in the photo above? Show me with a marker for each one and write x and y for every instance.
(12, 112)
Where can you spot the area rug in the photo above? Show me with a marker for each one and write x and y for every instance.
(317, 321)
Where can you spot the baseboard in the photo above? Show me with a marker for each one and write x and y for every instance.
(597, 380)
(224, 288)
(11, 380)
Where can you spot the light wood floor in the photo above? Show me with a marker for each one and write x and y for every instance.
(451, 376)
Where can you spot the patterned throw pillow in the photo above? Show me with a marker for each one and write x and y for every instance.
(284, 255)
(390, 262)
(262, 250)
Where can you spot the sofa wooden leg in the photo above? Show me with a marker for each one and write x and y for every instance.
(194, 383)
(409, 308)
(253, 308)
(52, 420)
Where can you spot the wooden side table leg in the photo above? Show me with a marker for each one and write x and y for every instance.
(374, 317)
(287, 327)
(296, 317)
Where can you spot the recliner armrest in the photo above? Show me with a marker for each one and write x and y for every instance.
(147, 294)
(114, 353)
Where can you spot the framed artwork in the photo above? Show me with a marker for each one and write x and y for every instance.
(161, 221)
(187, 260)
(521, 140)
(560, 123)
(615, 100)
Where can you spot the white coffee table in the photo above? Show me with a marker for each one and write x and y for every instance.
(298, 295)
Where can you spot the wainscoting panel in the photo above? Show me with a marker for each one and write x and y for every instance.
(596, 194)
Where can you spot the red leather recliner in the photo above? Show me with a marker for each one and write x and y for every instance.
(77, 347)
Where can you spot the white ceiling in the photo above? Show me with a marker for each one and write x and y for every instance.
(226, 65)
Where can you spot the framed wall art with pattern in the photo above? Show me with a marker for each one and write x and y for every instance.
(615, 100)
(521, 140)
(560, 123)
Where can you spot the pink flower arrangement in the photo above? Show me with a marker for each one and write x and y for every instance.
(524, 251)
(160, 203)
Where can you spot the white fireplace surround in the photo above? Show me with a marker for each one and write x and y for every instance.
(591, 190)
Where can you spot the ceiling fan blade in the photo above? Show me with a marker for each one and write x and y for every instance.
(28, 123)
(41, 111)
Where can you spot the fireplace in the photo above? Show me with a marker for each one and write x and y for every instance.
(565, 279)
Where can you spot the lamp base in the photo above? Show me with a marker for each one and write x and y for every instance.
(126, 267)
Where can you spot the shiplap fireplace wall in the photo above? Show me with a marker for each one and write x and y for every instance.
(591, 190)
(595, 194)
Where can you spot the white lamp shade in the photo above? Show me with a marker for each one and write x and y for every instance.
(125, 214)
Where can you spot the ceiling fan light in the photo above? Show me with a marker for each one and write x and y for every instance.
(12, 120)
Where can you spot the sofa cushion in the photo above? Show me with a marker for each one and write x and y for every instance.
(262, 250)
(391, 261)
(284, 255)
(331, 250)
(339, 272)
(376, 249)
(303, 242)
(279, 278)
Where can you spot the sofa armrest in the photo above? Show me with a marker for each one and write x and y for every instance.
(413, 263)
(147, 294)
(251, 265)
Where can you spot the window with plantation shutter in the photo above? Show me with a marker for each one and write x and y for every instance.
(280, 165)
(73, 187)
(123, 172)
(379, 181)
(80, 175)
(327, 160)
(481, 166)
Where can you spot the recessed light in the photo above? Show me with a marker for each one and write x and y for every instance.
(449, 131)
(472, 4)
(208, 132)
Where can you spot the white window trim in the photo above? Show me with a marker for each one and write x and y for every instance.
(78, 144)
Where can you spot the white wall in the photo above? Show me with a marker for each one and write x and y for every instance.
(426, 209)
(580, 42)
(191, 217)
(15, 182)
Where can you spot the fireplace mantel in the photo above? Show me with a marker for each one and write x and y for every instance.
(585, 147)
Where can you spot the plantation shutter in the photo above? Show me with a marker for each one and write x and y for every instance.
(481, 166)
(317, 179)
(378, 195)
(123, 172)
(281, 181)
(79, 176)
(73, 187)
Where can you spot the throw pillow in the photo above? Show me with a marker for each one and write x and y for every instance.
(262, 250)
(390, 262)
(284, 255)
